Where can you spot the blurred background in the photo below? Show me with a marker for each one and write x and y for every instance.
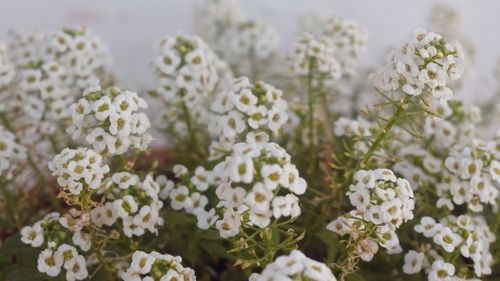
(130, 28)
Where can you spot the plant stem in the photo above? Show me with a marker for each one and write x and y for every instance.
(383, 133)
(9, 201)
(85, 206)
(310, 107)
(253, 66)
(193, 141)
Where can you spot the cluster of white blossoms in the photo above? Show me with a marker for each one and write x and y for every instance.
(44, 95)
(156, 266)
(467, 236)
(358, 127)
(110, 120)
(244, 108)
(79, 169)
(132, 200)
(213, 16)
(456, 127)
(185, 192)
(423, 65)
(473, 175)
(348, 38)
(313, 53)
(294, 267)
(254, 40)
(423, 164)
(187, 76)
(383, 202)
(82, 55)
(7, 69)
(50, 234)
(256, 183)
(12, 154)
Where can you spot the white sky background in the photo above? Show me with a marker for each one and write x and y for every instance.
(130, 27)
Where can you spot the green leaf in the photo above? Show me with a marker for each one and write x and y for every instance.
(354, 277)
(208, 234)
(275, 237)
(217, 250)
(332, 242)
(328, 237)
(26, 274)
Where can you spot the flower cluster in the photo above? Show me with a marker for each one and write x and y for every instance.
(187, 76)
(7, 69)
(245, 108)
(295, 266)
(383, 202)
(132, 200)
(256, 183)
(214, 16)
(464, 235)
(110, 120)
(456, 127)
(156, 266)
(423, 164)
(474, 172)
(44, 94)
(352, 127)
(79, 169)
(348, 38)
(82, 55)
(422, 66)
(185, 192)
(314, 53)
(11, 153)
(52, 235)
(253, 40)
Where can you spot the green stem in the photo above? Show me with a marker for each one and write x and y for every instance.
(253, 66)
(9, 202)
(54, 143)
(85, 206)
(310, 106)
(383, 133)
(193, 140)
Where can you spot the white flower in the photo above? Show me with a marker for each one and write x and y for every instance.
(441, 271)
(180, 198)
(242, 169)
(448, 239)
(141, 262)
(76, 269)
(65, 253)
(260, 218)
(48, 264)
(413, 262)
(83, 240)
(295, 265)
(271, 175)
(206, 219)
(202, 178)
(428, 227)
(32, 235)
(125, 206)
(366, 249)
(229, 225)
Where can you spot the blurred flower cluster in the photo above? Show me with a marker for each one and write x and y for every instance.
(244, 161)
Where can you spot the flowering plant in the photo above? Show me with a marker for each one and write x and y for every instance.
(256, 171)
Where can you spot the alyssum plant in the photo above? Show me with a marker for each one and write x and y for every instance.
(269, 172)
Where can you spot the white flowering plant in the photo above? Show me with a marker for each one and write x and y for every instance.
(246, 162)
